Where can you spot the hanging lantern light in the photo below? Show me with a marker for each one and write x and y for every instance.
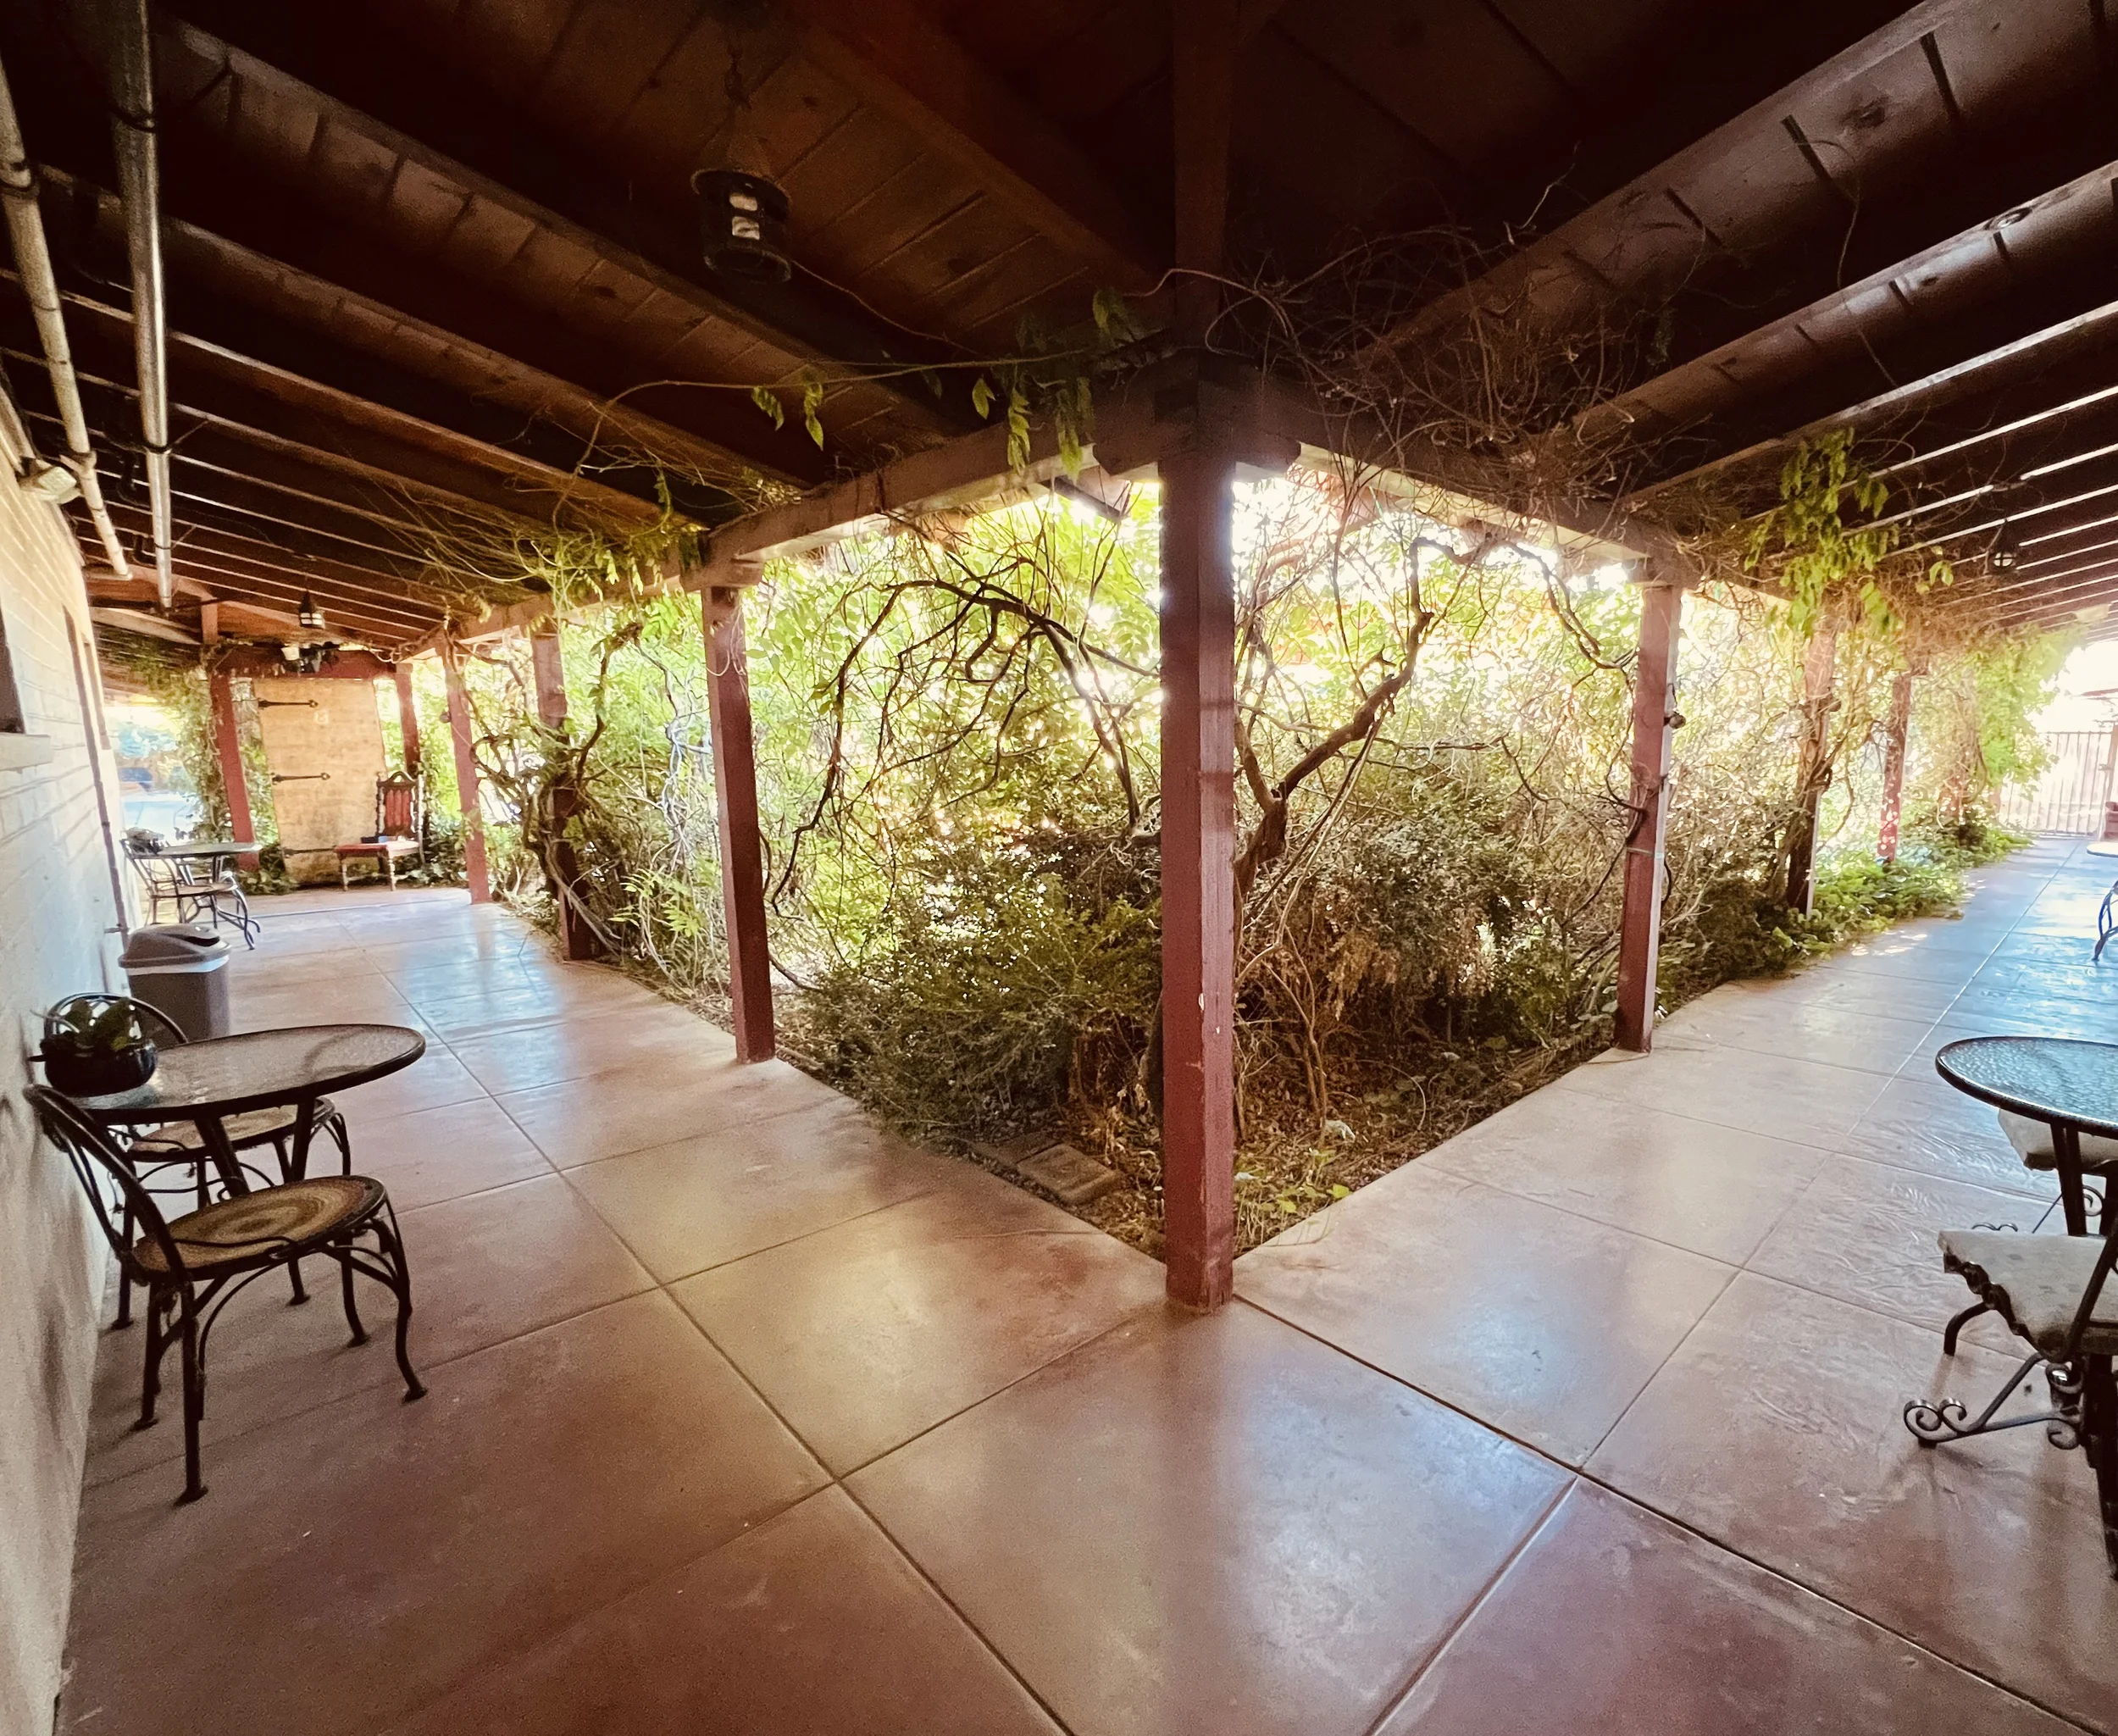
(742, 209)
(310, 616)
(2005, 549)
(743, 225)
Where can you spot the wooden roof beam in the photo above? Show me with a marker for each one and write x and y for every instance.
(254, 301)
(421, 114)
(902, 60)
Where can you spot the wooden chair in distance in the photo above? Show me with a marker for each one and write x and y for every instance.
(399, 829)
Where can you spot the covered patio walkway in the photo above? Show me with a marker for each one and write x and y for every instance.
(745, 1417)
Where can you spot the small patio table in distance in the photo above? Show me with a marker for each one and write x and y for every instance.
(205, 1082)
(2069, 1084)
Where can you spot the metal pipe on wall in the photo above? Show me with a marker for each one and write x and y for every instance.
(132, 129)
(33, 265)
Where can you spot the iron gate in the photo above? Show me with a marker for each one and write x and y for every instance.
(2068, 794)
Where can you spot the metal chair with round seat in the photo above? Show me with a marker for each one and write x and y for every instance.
(180, 1143)
(192, 1266)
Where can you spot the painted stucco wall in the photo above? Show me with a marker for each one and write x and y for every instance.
(56, 901)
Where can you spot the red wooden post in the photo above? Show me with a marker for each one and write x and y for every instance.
(407, 717)
(742, 855)
(576, 938)
(1654, 722)
(1895, 735)
(1198, 879)
(474, 869)
(228, 745)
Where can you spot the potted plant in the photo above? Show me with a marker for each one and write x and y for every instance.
(94, 1047)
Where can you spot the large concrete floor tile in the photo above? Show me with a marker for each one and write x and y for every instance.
(1853, 991)
(435, 1079)
(1924, 1125)
(1710, 1189)
(443, 1153)
(2004, 1012)
(1776, 1429)
(353, 1563)
(361, 999)
(1806, 1102)
(702, 1201)
(2038, 980)
(660, 1037)
(864, 1335)
(812, 1623)
(1806, 1030)
(658, 1100)
(1544, 1324)
(1212, 1527)
(586, 989)
(1615, 1622)
(1865, 1232)
(493, 1265)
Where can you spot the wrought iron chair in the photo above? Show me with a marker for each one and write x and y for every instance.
(400, 829)
(2032, 1141)
(2050, 1290)
(192, 1266)
(178, 1144)
(177, 882)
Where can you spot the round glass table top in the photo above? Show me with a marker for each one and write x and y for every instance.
(228, 1075)
(2048, 1079)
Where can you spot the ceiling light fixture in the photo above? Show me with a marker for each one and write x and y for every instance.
(310, 616)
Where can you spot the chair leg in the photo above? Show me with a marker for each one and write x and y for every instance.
(392, 1246)
(2100, 1444)
(345, 1294)
(1955, 1326)
(194, 1398)
(151, 1367)
(124, 1281)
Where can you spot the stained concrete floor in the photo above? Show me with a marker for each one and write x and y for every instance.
(745, 1417)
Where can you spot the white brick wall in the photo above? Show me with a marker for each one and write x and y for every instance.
(55, 906)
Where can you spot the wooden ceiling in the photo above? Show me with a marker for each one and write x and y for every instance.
(418, 249)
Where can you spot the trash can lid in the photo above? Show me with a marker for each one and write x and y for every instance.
(166, 946)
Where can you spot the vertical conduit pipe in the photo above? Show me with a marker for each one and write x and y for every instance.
(139, 190)
(33, 265)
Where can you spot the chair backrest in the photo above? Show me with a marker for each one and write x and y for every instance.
(397, 806)
(164, 874)
(107, 1179)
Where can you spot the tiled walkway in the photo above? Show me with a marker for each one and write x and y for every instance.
(745, 1418)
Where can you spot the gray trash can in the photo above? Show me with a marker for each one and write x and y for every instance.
(181, 968)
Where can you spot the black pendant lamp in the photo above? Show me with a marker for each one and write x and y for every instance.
(742, 209)
(310, 616)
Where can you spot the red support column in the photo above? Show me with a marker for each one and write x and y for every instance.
(474, 869)
(577, 940)
(228, 745)
(1896, 734)
(742, 855)
(407, 717)
(1654, 722)
(1198, 879)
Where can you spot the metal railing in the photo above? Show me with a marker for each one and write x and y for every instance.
(2069, 796)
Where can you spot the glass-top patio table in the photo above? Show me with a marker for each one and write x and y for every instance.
(2069, 1084)
(207, 1082)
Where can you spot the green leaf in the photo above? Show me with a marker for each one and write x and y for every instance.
(767, 399)
(982, 397)
(1339, 1191)
(932, 380)
(812, 411)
